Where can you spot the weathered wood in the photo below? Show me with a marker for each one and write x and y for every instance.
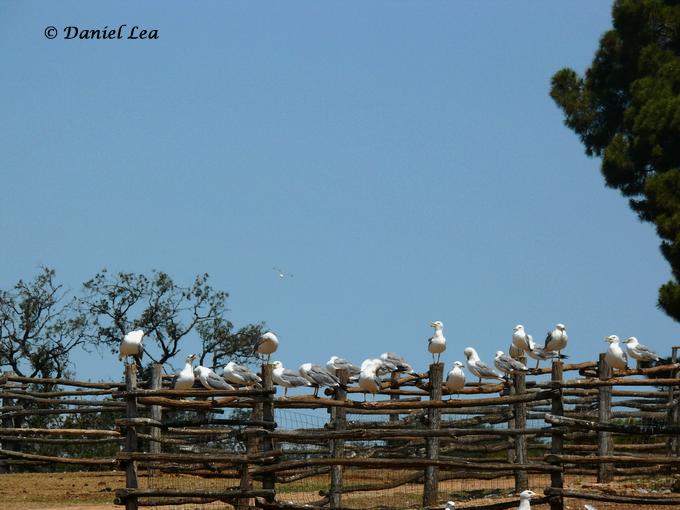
(267, 446)
(127, 494)
(337, 446)
(226, 458)
(62, 382)
(156, 412)
(605, 472)
(131, 435)
(431, 483)
(611, 427)
(408, 463)
(520, 440)
(673, 414)
(608, 459)
(611, 498)
(131, 423)
(59, 432)
(557, 440)
(197, 392)
(60, 460)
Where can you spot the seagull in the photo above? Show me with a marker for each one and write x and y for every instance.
(318, 376)
(267, 344)
(455, 381)
(640, 352)
(478, 367)
(337, 363)
(131, 345)
(589, 507)
(615, 356)
(287, 378)
(556, 340)
(521, 339)
(368, 376)
(185, 379)
(210, 380)
(450, 505)
(281, 273)
(394, 363)
(437, 344)
(507, 364)
(238, 374)
(540, 354)
(524, 498)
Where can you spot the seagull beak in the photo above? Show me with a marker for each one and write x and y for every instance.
(432, 324)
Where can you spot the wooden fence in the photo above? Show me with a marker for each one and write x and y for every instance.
(598, 426)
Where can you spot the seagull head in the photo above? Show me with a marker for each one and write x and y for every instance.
(458, 364)
(611, 339)
(631, 341)
(499, 354)
(561, 327)
(437, 325)
(469, 352)
(277, 364)
(519, 327)
(450, 505)
(191, 358)
(526, 494)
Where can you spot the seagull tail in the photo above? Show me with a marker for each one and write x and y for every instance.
(563, 356)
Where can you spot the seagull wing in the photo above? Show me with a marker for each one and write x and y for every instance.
(216, 382)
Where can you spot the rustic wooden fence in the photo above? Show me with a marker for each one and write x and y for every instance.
(542, 433)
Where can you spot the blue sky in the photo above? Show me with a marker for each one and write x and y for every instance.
(402, 159)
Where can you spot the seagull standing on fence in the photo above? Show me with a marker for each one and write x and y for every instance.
(185, 379)
(615, 356)
(368, 376)
(556, 340)
(210, 380)
(437, 343)
(392, 362)
(336, 363)
(318, 376)
(478, 368)
(507, 364)
(267, 345)
(521, 339)
(238, 374)
(455, 381)
(540, 354)
(524, 498)
(287, 378)
(131, 345)
(640, 352)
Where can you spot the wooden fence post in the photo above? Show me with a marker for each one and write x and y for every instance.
(131, 435)
(431, 486)
(520, 412)
(557, 439)
(605, 472)
(673, 445)
(268, 480)
(155, 411)
(395, 386)
(337, 446)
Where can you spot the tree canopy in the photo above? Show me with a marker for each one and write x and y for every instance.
(626, 110)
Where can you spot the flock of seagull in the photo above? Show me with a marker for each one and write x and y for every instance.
(524, 502)
(368, 375)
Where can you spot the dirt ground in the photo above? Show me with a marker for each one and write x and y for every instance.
(95, 491)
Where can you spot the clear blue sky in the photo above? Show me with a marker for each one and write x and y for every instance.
(402, 159)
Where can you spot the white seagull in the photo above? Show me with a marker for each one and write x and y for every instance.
(615, 356)
(238, 374)
(507, 364)
(394, 363)
(540, 354)
(287, 378)
(455, 381)
(210, 380)
(185, 379)
(437, 343)
(337, 363)
(267, 344)
(556, 340)
(281, 273)
(318, 376)
(131, 345)
(450, 505)
(478, 367)
(521, 339)
(524, 498)
(368, 376)
(640, 352)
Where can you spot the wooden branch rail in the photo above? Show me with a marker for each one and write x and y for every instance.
(123, 494)
(611, 427)
(60, 432)
(61, 460)
(59, 382)
(197, 458)
(612, 498)
(605, 459)
(193, 393)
